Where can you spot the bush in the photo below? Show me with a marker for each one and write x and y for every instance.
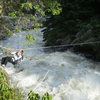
(6, 92)
(47, 96)
(33, 96)
(36, 96)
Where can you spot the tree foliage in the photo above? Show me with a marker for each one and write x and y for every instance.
(6, 92)
(75, 16)
(78, 22)
(36, 96)
(30, 6)
(29, 39)
(33, 10)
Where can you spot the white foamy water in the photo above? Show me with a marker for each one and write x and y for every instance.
(65, 75)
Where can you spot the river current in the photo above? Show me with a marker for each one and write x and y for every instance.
(65, 75)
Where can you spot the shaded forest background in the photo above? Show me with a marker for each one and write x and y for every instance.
(79, 22)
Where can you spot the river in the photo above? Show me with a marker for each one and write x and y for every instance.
(65, 75)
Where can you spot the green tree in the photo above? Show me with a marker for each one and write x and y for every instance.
(78, 22)
(6, 92)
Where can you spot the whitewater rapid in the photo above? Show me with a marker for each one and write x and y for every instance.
(65, 75)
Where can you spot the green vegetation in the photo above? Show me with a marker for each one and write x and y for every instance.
(47, 96)
(6, 91)
(13, 14)
(76, 16)
(79, 22)
(25, 14)
(29, 40)
(17, 29)
(33, 96)
(36, 96)
(9, 93)
(23, 7)
(67, 21)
